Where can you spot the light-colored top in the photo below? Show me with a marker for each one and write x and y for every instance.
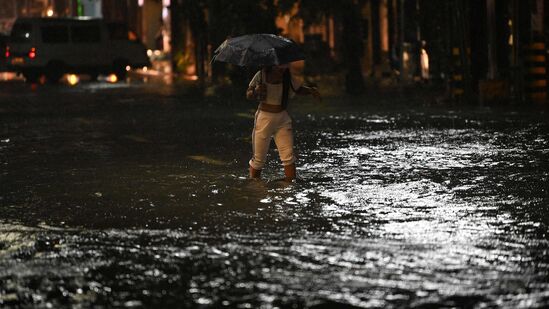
(274, 91)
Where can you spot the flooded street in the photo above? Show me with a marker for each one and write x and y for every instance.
(134, 195)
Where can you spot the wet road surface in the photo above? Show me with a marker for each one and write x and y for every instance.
(135, 195)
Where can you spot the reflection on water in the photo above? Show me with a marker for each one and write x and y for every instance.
(137, 207)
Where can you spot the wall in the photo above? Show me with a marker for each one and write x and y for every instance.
(151, 22)
(91, 8)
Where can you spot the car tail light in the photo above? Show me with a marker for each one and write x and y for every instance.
(7, 54)
(32, 53)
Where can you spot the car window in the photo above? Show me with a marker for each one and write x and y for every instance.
(55, 34)
(117, 31)
(21, 32)
(86, 34)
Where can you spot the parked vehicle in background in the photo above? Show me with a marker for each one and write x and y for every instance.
(3, 43)
(55, 46)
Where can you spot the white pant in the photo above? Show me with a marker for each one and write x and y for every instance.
(266, 126)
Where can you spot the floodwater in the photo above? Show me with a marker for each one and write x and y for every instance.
(130, 195)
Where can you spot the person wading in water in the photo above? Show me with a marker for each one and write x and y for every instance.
(272, 87)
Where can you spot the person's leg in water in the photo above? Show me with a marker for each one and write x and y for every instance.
(261, 138)
(289, 172)
(254, 174)
(284, 139)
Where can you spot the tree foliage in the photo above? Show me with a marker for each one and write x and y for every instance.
(347, 13)
(213, 21)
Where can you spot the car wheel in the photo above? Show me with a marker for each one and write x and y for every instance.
(31, 76)
(119, 69)
(54, 71)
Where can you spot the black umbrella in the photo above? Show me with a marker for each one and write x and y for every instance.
(258, 50)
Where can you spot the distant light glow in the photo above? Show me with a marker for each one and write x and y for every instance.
(190, 70)
(27, 35)
(166, 2)
(145, 69)
(128, 68)
(112, 78)
(72, 79)
(49, 13)
(157, 52)
(149, 52)
(140, 2)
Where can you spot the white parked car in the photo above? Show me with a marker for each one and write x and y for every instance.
(55, 46)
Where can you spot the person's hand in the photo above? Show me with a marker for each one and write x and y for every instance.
(261, 92)
(314, 92)
(250, 94)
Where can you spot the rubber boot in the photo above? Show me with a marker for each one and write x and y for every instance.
(289, 172)
(255, 174)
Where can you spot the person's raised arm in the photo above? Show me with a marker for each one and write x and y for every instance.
(305, 90)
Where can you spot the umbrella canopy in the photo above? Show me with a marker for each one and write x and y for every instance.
(258, 50)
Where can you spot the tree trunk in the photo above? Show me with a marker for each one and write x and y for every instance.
(463, 38)
(177, 41)
(352, 40)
